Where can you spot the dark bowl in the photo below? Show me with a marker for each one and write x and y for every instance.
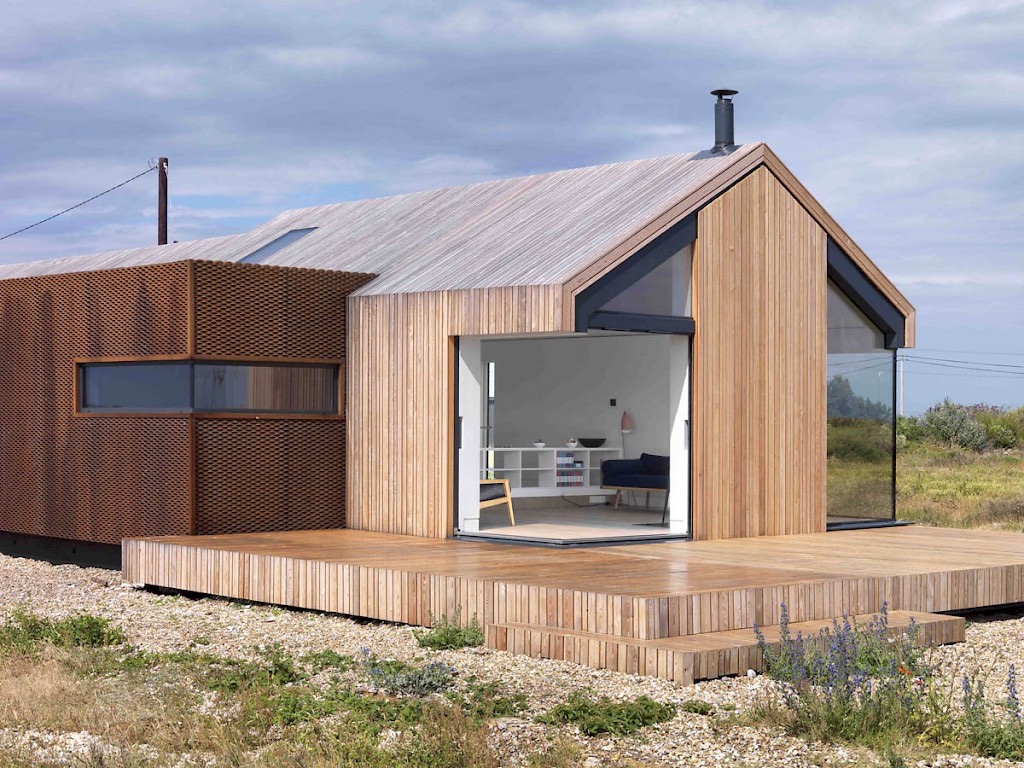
(591, 442)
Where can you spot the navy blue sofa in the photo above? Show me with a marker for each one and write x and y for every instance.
(648, 473)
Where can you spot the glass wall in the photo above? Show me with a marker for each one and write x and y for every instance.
(861, 416)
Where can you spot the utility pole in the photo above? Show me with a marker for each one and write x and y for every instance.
(902, 362)
(161, 222)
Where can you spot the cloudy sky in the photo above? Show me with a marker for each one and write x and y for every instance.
(905, 119)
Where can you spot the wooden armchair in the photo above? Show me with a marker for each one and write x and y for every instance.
(494, 492)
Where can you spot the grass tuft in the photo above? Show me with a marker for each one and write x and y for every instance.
(603, 715)
(26, 633)
(447, 634)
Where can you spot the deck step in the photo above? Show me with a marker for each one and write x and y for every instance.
(687, 658)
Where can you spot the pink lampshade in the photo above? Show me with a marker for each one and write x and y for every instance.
(627, 423)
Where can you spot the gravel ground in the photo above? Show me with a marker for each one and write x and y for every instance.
(167, 623)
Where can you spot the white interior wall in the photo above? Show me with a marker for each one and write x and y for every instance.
(470, 406)
(679, 410)
(554, 389)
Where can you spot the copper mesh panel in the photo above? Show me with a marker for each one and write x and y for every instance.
(263, 311)
(102, 478)
(81, 478)
(269, 475)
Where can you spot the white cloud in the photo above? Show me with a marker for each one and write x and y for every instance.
(903, 119)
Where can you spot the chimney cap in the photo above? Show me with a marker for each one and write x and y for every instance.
(721, 93)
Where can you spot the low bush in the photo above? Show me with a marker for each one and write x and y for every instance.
(988, 734)
(604, 715)
(328, 659)
(866, 685)
(1004, 428)
(398, 677)
(274, 668)
(447, 634)
(25, 632)
(697, 707)
(485, 701)
(955, 425)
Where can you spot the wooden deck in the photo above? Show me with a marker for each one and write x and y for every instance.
(640, 593)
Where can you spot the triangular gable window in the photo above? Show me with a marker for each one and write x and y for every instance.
(665, 290)
(650, 291)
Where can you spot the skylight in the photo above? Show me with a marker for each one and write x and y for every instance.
(263, 252)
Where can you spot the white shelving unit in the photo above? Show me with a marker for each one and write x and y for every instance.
(540, 472)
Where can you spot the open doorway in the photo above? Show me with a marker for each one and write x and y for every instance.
(524, 400)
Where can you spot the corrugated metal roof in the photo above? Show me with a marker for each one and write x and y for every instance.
(532, 230)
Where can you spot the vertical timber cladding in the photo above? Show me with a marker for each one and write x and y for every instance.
(759, 364)
(270, 474)
(401, 423)
(83, 478)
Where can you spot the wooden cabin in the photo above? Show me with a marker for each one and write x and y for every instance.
(367, 364)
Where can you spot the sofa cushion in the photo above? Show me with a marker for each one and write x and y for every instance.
(656, 465)
(612, 468)
(640, 480)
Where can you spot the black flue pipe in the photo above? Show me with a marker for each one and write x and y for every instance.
(724, 131)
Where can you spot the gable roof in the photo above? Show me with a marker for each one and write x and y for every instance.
(562, 228)
(530, 230)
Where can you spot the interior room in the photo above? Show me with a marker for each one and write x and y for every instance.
(552, 411)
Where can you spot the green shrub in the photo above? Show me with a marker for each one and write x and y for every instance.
(446, 634)
(697, 707)
(911, 428)
(619, 718)
(955, 425)
(274, 668)
(987, 733)
(1004, 427)
(865, 686)
(400, 678)
(25, 632)
(328, 659)
(484, 701)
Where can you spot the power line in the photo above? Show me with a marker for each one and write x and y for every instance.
(969, 352)
(944, 374)
(887, 364)
(1011, 374)
(79, 205)
(965, 362)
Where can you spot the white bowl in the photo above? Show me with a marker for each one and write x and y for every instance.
(539, 445)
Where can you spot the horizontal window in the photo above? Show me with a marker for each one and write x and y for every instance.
(136, 386)
(208, 387)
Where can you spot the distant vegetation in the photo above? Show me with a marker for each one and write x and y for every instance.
(961, 466)
(972, 427)
(956, 465)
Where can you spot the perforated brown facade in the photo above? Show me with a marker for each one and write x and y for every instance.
(271, 312)
(101, 477)
(294, 482)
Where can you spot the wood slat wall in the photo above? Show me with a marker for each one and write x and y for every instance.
(758, 439)
(832, 228)
(400, 390)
